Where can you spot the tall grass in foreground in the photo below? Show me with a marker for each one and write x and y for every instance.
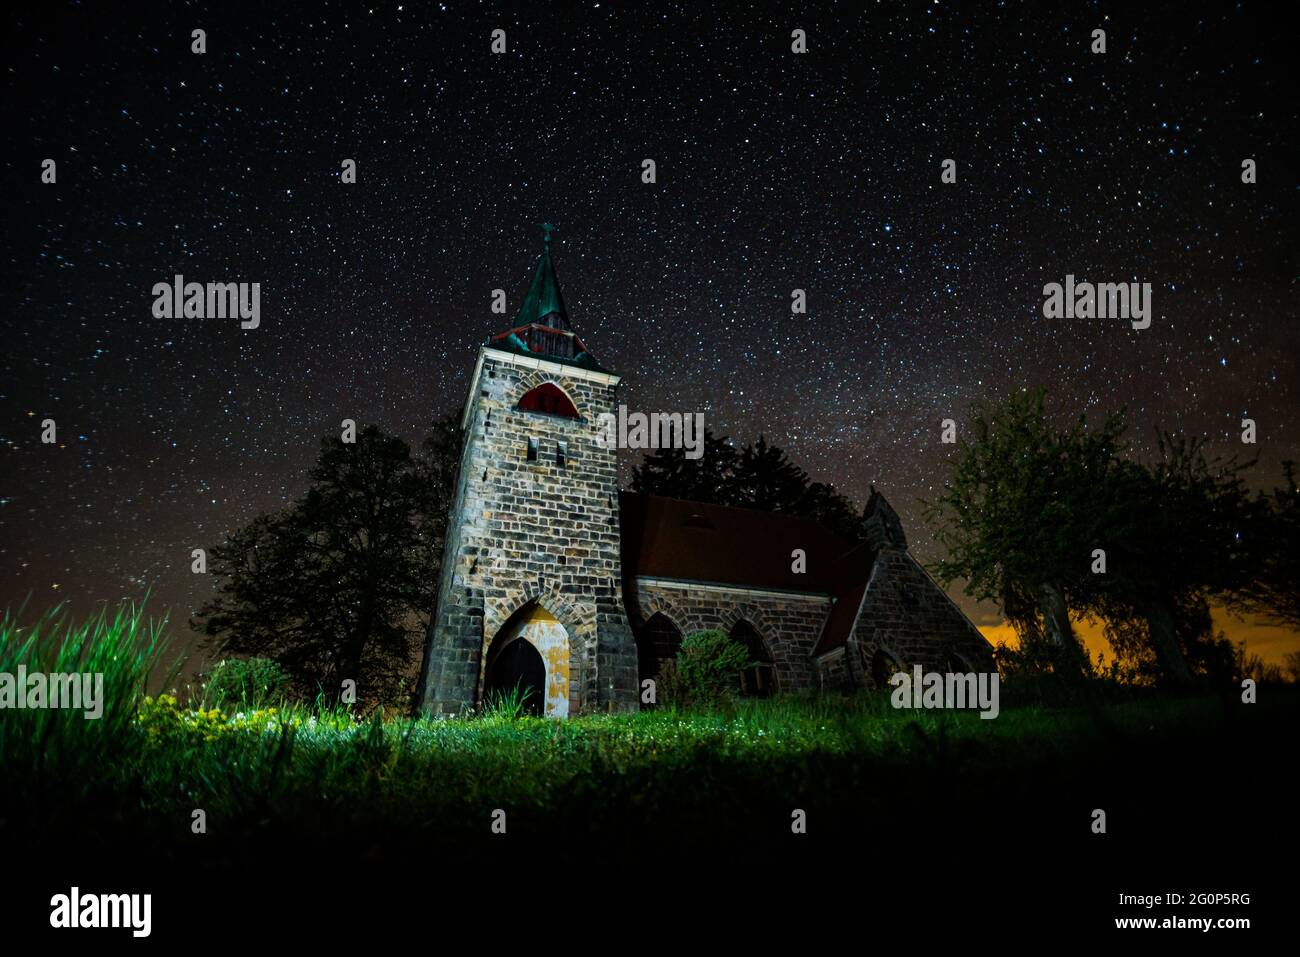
(44, 749)
(319, 776)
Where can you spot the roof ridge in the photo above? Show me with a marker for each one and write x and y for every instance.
(740, 508)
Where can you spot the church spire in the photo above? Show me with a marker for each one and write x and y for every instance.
(543, 302)
(541, 327)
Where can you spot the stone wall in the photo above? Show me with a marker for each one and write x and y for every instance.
(835, 671)
(788, 623)
(524, 531)
(534, 531)
(909, 617)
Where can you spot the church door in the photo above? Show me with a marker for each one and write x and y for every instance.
(531, 650)
(518, 668)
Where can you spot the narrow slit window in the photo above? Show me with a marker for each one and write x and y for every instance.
(561, 450)
(532, 450)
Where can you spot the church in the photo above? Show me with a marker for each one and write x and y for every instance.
(556, 581)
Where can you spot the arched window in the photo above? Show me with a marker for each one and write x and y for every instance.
(759, 679)
(548, 398)
(658, 641)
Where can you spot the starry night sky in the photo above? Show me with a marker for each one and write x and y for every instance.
(776, 171)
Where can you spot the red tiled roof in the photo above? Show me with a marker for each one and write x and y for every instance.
(745, 548)
(694, 541)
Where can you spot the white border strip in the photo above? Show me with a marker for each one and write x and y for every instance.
(555, 368)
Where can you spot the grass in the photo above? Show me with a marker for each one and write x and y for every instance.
(299, 785)
(58, 749)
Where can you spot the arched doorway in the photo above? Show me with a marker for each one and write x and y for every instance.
(517, 669)
(658, 641)
(759, 679)
(531, 650)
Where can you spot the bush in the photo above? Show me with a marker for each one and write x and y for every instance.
(669, 692)
(167, 724)
(707, 671)
(236, 684)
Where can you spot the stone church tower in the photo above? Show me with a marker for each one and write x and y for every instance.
(530, 592)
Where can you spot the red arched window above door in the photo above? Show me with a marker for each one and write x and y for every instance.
(548, 398)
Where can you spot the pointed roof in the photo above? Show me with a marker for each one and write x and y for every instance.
(541, 327)
(543, 302)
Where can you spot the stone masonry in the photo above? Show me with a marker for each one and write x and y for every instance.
(788, 624)
(910, 620)
(533, 590)
(533, 531)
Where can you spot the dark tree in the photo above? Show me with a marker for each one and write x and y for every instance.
(340, 585)
(1186, 535)
(1206, 653)
(766, 479)
(758, 476)
(1274, 591)
(710, 478)
(1291, 666)
(439, 466)
(1029, 505)
(1026, 505)
(822, 503)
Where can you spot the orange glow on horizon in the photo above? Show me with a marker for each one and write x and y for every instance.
(1270, 641)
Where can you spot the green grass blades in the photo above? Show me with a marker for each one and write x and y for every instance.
(51, 755)
(293, 780)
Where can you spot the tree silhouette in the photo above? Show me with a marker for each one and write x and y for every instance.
(1205, 652)
(1187, 533)
(709, 478)
(1025, 507)
(1274, 592)
(1030, 508)
(340, 584)
(822, 503)
(766, 479)
(758, 476)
